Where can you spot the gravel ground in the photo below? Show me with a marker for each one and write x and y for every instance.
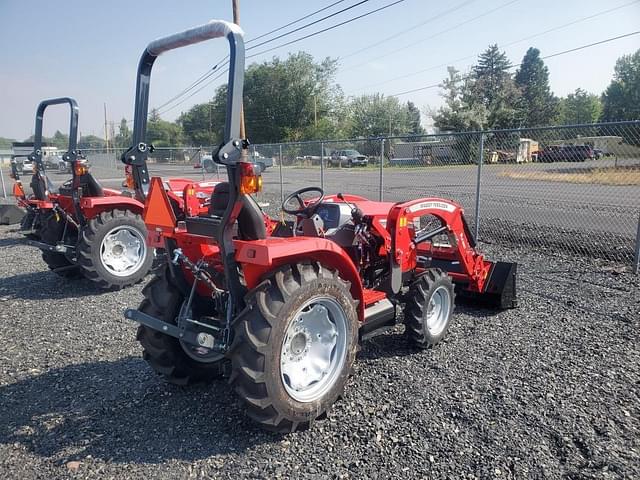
(548, 390)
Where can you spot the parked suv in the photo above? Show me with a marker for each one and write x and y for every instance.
(347, 158)
(571, 153)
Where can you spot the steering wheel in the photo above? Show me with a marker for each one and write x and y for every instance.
(302, 208)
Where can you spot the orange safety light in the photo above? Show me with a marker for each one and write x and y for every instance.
(81, 169)
(250, 181)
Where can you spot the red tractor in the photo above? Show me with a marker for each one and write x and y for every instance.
(283, 306)
(85, 228)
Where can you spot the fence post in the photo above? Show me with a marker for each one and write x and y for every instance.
(4, 189)
(281, 182)
(476, 228)
(322, 165)
(381, 185)
(636, 257)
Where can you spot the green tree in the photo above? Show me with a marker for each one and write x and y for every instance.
(203, 124)
(123, 137)
(90, 142)
(415, 126)
(537, 106)
(376, 115)
(621, 99)
(458, 114)
(161, 133)
(493, 88)
(579, 107)
(60, 140)
(291, 99)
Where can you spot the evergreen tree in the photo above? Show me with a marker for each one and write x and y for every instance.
(414, 119)
(491, 73)
(537, 106)
(493, 88)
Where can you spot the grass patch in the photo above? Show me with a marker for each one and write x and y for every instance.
(598, 176)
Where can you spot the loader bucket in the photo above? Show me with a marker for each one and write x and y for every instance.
(500, 288)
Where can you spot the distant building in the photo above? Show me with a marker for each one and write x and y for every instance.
(23, 149)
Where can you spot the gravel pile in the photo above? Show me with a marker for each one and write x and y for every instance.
(550, 389)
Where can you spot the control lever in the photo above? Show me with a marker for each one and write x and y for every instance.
(356, 213)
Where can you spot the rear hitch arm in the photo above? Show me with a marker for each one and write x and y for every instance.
(183, 330)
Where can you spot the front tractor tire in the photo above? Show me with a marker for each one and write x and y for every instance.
(177, 363)
(112, 250)
(294, 346)
(429, 307)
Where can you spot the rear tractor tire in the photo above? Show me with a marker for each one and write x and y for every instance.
(112, 250)
(176, 362)
(294, 346)
(428, 310)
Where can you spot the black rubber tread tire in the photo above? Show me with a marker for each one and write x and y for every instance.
(50, 232)
(26, 224)
(162, 352)
(416, 304)
(92, 235)
(258, 335)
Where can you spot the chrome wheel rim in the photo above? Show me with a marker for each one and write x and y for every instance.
(314, 349)
(123, 250)
(438, 310)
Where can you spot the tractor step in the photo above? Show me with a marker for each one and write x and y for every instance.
(378, 318)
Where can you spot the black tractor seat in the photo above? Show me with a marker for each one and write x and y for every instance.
(90, 187)
(250, 219)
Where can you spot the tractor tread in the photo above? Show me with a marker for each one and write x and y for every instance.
(87, 250)
(252, 350)
(415, 305)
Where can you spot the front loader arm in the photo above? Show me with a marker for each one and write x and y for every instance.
(473, 268)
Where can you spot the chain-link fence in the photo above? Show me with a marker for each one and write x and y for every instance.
(573, 188)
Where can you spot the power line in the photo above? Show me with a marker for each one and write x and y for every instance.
(557, 54)
(313, 34)
(289, 43)
(295, 21)
(484, 14)
(211, 72)
(559, 27)
(309, 24)
(407, 30)
(194, 93)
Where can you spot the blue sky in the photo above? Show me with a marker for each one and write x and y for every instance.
(89, 49)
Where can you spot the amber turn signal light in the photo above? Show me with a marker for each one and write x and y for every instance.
(250, 181)
(80, 169)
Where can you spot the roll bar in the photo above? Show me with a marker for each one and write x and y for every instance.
(136, 156)
(72, 150)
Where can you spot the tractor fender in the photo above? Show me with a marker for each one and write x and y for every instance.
(92, 206)
(261, 257)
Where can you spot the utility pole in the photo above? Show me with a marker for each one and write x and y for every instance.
(315, 111)
(106, 131)
(236, 20)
